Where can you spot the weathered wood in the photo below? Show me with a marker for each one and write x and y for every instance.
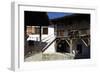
(86, 44)
(67, 42)
(71, 45)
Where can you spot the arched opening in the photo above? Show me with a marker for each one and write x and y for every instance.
(62, 47)
(79, 48)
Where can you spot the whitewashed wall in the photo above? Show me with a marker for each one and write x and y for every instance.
(51, 48)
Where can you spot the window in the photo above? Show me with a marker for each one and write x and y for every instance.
(29, 30)
(45, 30)
(33, 30)
(36, 30)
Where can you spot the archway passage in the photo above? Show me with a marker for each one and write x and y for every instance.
(79, 48)
(62, 47)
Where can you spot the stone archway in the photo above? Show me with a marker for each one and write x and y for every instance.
(62, 47)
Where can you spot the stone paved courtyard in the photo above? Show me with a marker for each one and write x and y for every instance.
(49, 56)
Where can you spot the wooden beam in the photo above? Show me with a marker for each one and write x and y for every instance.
(88, 41)
(48, 45)
(86, 44)
(71, 45)
(68, 42)
(40, 35)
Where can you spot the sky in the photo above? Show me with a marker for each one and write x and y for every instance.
(53, 15)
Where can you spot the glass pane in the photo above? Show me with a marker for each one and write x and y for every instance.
(29, 30)
(37, 30)
(45, 30)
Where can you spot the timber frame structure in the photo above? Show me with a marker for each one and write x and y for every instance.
(77, 27)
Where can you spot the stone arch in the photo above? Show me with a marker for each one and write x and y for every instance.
(62, 47)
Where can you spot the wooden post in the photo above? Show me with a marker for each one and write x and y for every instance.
(86, 44)
(40, 35)
(88, 41)
(71, 45)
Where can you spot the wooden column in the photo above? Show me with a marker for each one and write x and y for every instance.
(71, 45)
(40, 35)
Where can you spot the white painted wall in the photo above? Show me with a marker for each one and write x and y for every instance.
(50, 36)
(36, 37)
(51, 48)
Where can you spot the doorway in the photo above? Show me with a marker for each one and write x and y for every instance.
(79, 48)
(62, 47)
